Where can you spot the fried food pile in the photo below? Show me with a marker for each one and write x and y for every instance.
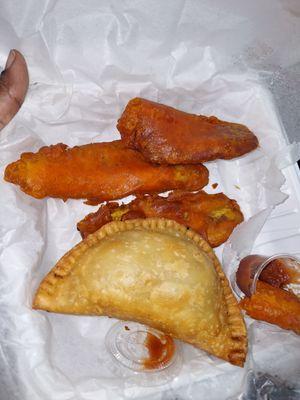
(131, 265)
(161, 150)
(214, 216)
(165, 135)
(119, 267)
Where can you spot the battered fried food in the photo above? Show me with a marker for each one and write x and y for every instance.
(168, 136)
(273, 305)
(214, 216)
(104, 171)
(281, 272)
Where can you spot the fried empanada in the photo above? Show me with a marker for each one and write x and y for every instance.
(153, 271)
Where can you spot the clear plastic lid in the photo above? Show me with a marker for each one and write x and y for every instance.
(142, 354)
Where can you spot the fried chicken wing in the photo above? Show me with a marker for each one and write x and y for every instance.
(214, 216)
(168, 136)
(273, 305)
(102, 171)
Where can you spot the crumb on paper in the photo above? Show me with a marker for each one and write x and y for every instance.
(126, 328)
(237, 186)
(214, 185)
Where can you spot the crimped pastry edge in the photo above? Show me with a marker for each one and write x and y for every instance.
(237, 328)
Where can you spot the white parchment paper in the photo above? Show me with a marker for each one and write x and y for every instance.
(86, 60)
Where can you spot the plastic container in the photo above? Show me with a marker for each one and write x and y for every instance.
(251, 267)
(144, 355)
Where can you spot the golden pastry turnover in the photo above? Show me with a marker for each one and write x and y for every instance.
(153, 271)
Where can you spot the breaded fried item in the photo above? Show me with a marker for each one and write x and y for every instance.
(152, 271)
(281, 272)
(273, 305)
(214, 216)
(102, 171)
(168, 136)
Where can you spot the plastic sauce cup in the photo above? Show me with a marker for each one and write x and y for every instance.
(251, 267)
